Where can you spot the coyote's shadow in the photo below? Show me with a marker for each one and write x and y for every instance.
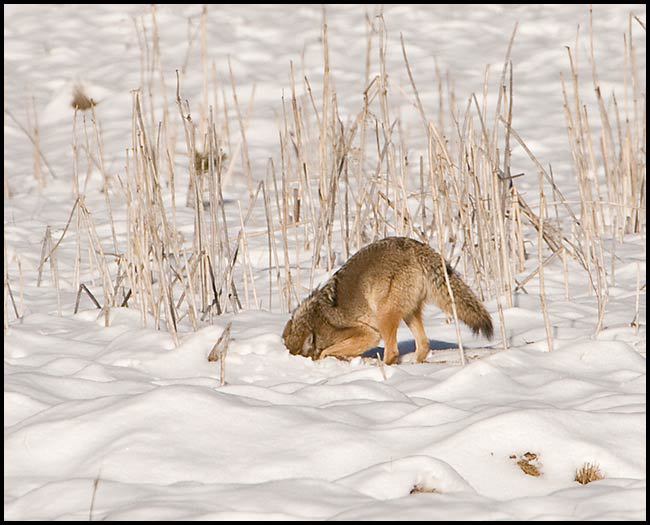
(408, 346)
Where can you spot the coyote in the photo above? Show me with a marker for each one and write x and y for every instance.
(365, 300)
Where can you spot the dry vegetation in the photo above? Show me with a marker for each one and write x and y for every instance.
(80, 100)
(341, 183)
(588, 473)
(421, 489)
(529, 463)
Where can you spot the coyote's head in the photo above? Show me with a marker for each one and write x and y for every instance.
(310, 331)
(299, 333)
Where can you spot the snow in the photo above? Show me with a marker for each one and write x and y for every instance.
(149, 424)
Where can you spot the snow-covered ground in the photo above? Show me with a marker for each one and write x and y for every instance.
(116, 423)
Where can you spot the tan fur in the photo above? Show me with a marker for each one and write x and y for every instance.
(366, 299)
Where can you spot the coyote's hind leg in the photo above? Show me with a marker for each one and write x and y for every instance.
(414, 322)
(388, 323)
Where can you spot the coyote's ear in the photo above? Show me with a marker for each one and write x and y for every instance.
(309, 345)
(329, 292)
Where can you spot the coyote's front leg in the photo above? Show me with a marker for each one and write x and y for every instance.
(354, 342)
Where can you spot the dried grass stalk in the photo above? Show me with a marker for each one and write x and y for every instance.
(588, 473)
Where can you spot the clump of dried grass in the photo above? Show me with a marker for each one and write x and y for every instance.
(202, 161)
(588, 473)
(421, 489)
(80, 100)
(529, 463)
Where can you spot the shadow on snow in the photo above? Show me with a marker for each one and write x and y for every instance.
(408, 346)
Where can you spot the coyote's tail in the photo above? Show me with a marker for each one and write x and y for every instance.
(469, 309)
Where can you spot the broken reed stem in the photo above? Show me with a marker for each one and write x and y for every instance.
(245, 261)
(272, 247)
(502, 323)
(65, 229)
(542, 289)
(13, 302)
(54, 269)
(37, 146)
(82, 287)
(219, 352)
(44, 247)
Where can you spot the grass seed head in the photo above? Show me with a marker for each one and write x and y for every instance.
(80, 100)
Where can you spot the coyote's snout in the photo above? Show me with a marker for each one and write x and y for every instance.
(366, 299)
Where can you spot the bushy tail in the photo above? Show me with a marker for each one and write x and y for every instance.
(469, 309)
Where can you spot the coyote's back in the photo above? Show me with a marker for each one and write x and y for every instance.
(365, 300)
